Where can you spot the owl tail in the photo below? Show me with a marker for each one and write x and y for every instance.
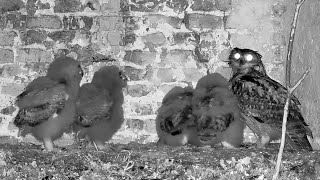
(298, 141)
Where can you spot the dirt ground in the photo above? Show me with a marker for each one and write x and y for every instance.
(21, 160)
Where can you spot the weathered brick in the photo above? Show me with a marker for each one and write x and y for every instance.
(10, 5)
(139, 90)
(177, 57)
(114, 38)
(6, 56)
(8, 110)
(33, 36)
(88, 54)
(183, 38)
(131, 23)
(154, 20)
(93, 5)
(3, 22)
(77, 22)
(7, 38)
(31, 7)
(165, 88)
(224, 71)
(211, 5)
(166, 75)
(177, 5)
(192, 74)
(136, 124)
(124, 6)
(129, 38)
(142, 109)
(134, 74)
(44, 21)
(158, 5)
(150, 125)
(110, 6)
(206, 47)
(33, 55)
(39, 67)
(203, 21)
(62, 36)
(156, 39)
(146, 5)
(12, 89)
(64, 6)
(10, 70)
(140, 57)
(111, 23)
(16, 21)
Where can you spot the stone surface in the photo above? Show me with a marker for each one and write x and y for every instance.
(211, 5)
(140, 57)
(157, 20)
(10, 5)
(62, 36)
(64, 6)
(33, 55)
(15, 21)
(203, 21)
(33, 36)
(12, 89)
(139, 90)
(165, 75)
(110, 23)
(77, 22)
(10, 70)
(6, 56)
(45, 21)
(7, 38)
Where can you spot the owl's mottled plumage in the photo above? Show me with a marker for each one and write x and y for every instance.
(99, 106)
(47, 105)
(262, 101)
(217, 112)
(175, 123)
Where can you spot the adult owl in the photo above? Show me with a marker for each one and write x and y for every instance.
(262, 101)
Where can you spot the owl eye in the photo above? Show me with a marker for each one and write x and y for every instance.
(249, 57)
(237, 56)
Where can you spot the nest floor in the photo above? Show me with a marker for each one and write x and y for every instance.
(21, 160)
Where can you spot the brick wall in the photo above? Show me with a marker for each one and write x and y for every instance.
(159, 44)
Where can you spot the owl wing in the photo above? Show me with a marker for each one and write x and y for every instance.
(93, 105)
(41, 99)
(264, 99)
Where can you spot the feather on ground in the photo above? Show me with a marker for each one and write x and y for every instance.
(47, 105)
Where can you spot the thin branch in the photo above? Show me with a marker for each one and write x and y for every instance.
(291, 39)
(290, 89)
(284, 122)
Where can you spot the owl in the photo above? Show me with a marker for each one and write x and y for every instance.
(262, 100)
(175, 123)
(217, 113)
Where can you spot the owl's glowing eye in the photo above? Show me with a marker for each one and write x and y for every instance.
(236, 55)
(249, 57)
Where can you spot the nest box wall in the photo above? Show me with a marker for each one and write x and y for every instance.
(159, 44)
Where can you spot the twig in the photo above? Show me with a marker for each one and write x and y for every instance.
(290, 89)
(284, 121)
(291, 39)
